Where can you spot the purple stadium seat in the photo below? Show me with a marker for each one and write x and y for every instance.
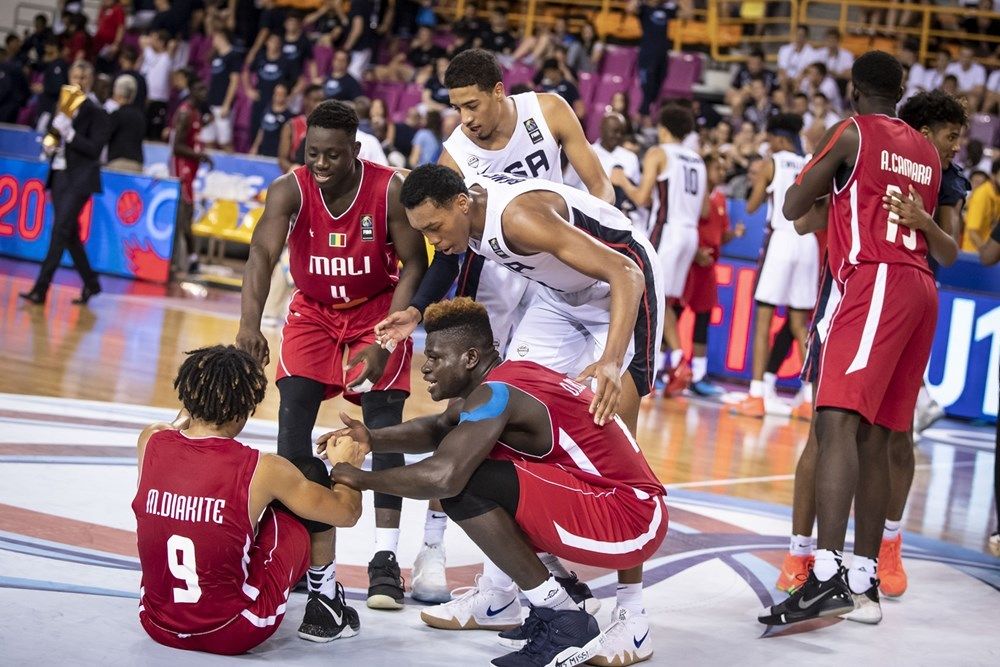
(518, 73)
(322, 57)
(389, 93)
(592, 127)
(683, 72)
(586, 85)
(200, 54)
(445, 40)
(619, 60)
(634, 97)
(411, 96)
(985, 128)
(607, 87)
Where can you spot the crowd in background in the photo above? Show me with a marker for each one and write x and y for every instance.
(260, 62)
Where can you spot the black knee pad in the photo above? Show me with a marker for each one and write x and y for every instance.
(466, 506)
(782, 346)
(494, 484)
(381, 409)
(701, 321)
(297, 410)
(315, 471)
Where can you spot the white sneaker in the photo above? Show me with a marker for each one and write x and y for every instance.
(480, 607)
(867, 608)
(995, 544)
(626, 640)
(776, 406)
(430, 583)
(926, 416)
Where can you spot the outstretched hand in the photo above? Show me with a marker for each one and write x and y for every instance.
(397, 327)
(353, 429)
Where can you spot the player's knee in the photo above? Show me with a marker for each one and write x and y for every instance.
(312, 469)
(466, 506)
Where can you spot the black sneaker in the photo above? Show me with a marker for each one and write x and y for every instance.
(328, 619)
(385, 584)
(813, 599)
(580, 592)
(563, 637)
(517, 637)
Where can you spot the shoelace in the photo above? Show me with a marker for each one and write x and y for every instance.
(530, 625)
(539, 639)
(465, 592)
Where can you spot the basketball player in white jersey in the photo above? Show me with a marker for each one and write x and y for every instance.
(788, 273)
(675, 181)
(521, 134)
(598, 303)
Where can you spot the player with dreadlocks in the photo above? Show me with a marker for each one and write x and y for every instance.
(223, 530)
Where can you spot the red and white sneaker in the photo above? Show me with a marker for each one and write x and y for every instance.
(794, 572)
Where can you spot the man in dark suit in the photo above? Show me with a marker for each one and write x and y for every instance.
(74, 175)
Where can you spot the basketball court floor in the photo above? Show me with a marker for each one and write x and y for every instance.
(78, 384)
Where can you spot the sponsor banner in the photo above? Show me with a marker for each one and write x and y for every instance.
(128, 230)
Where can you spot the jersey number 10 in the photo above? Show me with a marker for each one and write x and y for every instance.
(690, 181)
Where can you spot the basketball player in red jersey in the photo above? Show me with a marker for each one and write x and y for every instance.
(347, 233)
(879, 339)
(187, 154)
(521, 466)
(218, 546)
(293, 134)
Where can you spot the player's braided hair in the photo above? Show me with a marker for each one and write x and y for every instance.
(220, 384)
(932, 109)
(464, 317)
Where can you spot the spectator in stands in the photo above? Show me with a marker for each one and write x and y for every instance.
(970, 75)
(466, 29)
(435, 95)
(222, 85)
(270, 68)
(157, 56)
(614, 157)
(983, 212)
(33, 47)
(427, 144)
(585, 52)
(267, 141)
(110, 31)
(975, 158)
(816, 80)
(916, 73)
(270, 20)
(794, 57)
(14, 89)
(820, 112)
(982, 25)
(622, 104)
(552, 79)
(760, 107)
(76, 39)
(497, 36)
(934, 77)
(54, 76)
(799, 104)
(654, 47)
(400, 136)
(328, 24)
(837, 59)
(950, 87)
(187, 155)
(752, 69)
(293, 134)
(128, 127)
(362, 38)
(991, 96)
(417, 62)
(128, 63)
(296, 49)
(341, 85)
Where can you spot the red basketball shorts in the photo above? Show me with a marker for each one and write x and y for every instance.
(278, 559)
(615, 527)
(876, 350)
(701, 292)
(318, 341)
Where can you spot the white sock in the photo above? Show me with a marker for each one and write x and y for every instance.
(386, 539)
(924, 399)
(770, 380)
(676, 356)
(497, 577)
(827, 564)
(550, 595)
(322, 579)
(801, 545)
(699, 368)
(553, 565)
(806, 393)
(892, 529)
(756, 389)
(434, 526)
(862, 571)
(630, 597)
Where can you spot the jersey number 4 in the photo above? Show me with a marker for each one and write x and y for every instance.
(892, 227)
(181, 561)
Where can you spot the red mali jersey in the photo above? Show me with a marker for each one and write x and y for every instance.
(335, 260)
(712, 228)
(891, 157)
(604, 455)
(193, 530)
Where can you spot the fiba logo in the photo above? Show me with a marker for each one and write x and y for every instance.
(129, 207)
(473, 161)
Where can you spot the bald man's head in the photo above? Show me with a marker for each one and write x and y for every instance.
(612, 130)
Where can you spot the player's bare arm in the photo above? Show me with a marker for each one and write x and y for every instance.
(910, 213)
(762, 176)
(410, 249)
(283, 200)
(815, 219)
(278, 479)
(653, 164)
(837, 150)
(582, 252)
(565, 125)
(445, 473)
(415, 436)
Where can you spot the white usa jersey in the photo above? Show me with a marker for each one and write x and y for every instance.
(532, 151)
(679, 191)
(787, 166)
(586, 212)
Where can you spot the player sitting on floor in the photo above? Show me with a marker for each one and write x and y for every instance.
(218, 544)
(521, 466)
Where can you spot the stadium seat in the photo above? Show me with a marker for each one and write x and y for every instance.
(518, 73)
(387, 92)
(412, 95)
(683, 72)
(607, 87)
(445, 40)
(586, 85)
(985, 128)
(619, 60)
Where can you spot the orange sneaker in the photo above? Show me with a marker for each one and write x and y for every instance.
(803, 411)
(794, 572)
(680, 378)
(891, 574)
(751, 406)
